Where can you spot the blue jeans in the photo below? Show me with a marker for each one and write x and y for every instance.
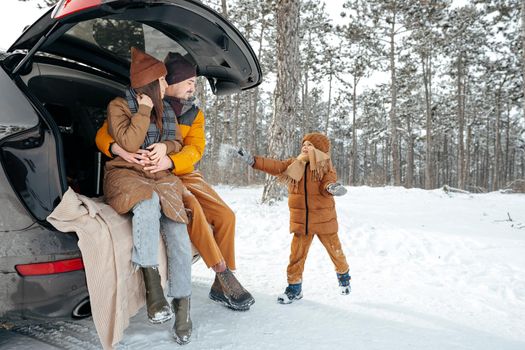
(148, 223)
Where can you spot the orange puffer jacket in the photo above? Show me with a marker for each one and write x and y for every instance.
(312, 208)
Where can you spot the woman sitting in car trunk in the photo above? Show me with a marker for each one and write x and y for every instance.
(141, 124)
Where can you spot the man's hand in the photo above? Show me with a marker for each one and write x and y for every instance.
(164, 163)
(157, 151)
(127, 156)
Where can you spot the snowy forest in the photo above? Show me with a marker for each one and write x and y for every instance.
(413, 93)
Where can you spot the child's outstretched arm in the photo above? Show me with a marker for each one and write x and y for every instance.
(270, 166)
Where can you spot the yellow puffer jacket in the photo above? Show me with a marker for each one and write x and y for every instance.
(191, 126)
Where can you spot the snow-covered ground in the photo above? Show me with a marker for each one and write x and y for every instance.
(430, 270)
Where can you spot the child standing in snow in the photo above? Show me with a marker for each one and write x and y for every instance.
(311, 181)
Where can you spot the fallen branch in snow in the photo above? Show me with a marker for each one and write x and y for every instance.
(509, 219)
(447, 189)
(517, 225)
(476, 189)
(517, 186)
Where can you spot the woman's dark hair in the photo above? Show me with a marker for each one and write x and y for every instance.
(153, 91)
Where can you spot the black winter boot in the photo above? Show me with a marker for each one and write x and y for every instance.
(183, 325)
(227, 290)
(159, 310)
(344, 283)
(292, 293)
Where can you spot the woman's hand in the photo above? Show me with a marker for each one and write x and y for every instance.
(136, 158)
(144, 99)
(156, 152)
(165, 163)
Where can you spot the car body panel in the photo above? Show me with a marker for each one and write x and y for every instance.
(29, 189)
(39, 297)
(17, 114)
(13, 215)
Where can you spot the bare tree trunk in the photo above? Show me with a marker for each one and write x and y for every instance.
(497, 148)
(224, 7)
(410, 161)
(523, 54)
(427, 80)
(252, 141)
(468, 153)
(236, 126)
(488, 183)
(305, 104)
(437, 166)
(507, 177)
(227, 132)
(396, 171)
(328, 112)
(353, 152)
(365, 162)
(523, 165)
(461, 122)
(284, 118)
(446, 179)
(215, 137)
(477, 166)
(384, 159)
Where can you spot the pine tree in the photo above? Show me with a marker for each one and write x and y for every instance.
(284, 119)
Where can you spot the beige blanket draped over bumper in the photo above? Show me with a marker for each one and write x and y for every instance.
(115, 288)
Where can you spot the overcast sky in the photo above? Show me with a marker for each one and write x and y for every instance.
(14, 16)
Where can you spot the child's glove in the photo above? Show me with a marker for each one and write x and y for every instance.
(245, 156)
(336, 189)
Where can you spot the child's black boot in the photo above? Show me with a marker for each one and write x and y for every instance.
(344, 283)
(292, 293)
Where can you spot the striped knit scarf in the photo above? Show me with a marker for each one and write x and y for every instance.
(169, 124)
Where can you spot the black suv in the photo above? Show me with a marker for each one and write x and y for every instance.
(56, 81)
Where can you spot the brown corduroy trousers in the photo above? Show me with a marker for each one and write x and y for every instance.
(299, 251)
(218, 242)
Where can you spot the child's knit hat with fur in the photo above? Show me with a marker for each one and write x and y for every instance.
(320, 141)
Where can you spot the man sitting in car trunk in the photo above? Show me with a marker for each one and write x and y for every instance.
(217, 247)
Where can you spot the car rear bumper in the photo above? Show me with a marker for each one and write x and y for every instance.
(47, 296)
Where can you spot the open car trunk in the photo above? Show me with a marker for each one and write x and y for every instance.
(74, 62)
(77, 104)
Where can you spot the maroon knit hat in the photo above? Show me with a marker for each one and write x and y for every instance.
(179, 68)
(144, 68)
(320, 141)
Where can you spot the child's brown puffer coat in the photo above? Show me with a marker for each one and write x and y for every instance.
(312, 208)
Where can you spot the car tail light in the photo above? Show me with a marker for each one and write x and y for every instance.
(68, 7)
(51, 267)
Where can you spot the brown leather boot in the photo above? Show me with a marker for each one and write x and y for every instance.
(183, 325)
(159, 310)
(227, 290)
